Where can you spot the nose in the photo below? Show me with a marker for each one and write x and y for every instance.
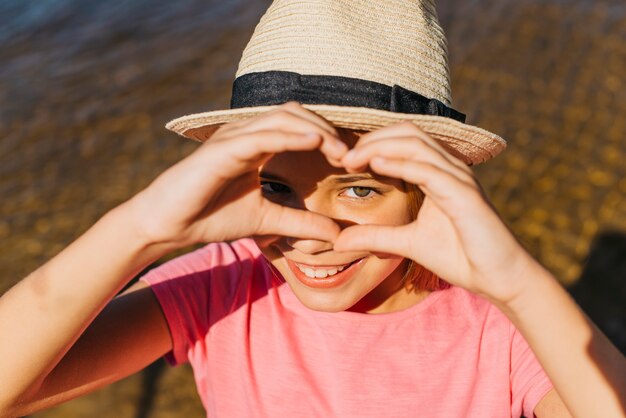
(318, 204)
(309, 246)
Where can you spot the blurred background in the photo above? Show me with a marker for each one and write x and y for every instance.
(86, 87)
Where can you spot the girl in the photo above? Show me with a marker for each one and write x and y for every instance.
(322, 291)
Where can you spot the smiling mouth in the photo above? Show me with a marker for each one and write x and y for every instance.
(321, 272)
(325, 277)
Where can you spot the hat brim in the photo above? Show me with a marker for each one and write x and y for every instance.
(471, 144)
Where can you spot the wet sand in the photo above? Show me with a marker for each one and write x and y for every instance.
(85, 90)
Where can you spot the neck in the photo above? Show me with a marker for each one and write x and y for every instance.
(390, 296)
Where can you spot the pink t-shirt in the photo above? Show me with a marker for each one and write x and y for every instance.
(256, 351)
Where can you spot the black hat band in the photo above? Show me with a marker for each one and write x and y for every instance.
(278, 87)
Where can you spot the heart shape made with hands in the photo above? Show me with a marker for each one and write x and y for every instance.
(398, 151)
(213, 195)
(456, 234)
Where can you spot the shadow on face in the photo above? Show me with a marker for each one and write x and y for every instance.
(306, 180)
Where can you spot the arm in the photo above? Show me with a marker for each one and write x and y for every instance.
(551, 406)
(458, 236)
(587, 370)
(128, 335)
(43, 317)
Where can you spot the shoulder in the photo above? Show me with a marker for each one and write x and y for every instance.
(471, 318)
(199, 288)
(221, 256)
(212, 275)
(461, 303)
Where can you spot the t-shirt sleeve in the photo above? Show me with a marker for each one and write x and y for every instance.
(529, 382)
(183, 287)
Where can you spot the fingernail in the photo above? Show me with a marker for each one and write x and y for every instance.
(312, 135)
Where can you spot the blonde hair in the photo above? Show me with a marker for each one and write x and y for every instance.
(416, 277)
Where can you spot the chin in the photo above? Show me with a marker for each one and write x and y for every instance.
(331, 299)
(342, 289)
(324, 303)
(366, 275)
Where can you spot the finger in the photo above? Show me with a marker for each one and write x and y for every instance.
(403, 148)
(374, 238)
(410, 129)
(248, 151)
(292, 117)
(249, 146)
(297, 223)
(332, 146)
(297, 108)
(450, 193)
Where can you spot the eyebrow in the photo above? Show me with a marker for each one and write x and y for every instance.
(352, 178)
(337, 179)
(270, 176)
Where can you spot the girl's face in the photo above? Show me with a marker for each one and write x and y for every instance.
(321, 278)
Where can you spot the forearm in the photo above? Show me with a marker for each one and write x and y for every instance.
(588, 372)
(43, 315)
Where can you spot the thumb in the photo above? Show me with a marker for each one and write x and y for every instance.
(297, 223)
(374, 238)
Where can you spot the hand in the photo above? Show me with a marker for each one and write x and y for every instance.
(214, 195)
(457, 234)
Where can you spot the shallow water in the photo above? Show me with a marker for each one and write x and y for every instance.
(86, 87)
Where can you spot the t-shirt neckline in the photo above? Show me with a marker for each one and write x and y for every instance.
(291, 302)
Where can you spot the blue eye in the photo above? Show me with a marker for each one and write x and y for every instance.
(360, 192)
(270, 187)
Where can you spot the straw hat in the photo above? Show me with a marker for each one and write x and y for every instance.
(360, 64)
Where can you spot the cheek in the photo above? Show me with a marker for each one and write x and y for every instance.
(390, 211)
(385, 266)
(267, 249)
(398, 210)
(272, 254)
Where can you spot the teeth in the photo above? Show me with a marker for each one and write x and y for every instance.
(320, 273)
